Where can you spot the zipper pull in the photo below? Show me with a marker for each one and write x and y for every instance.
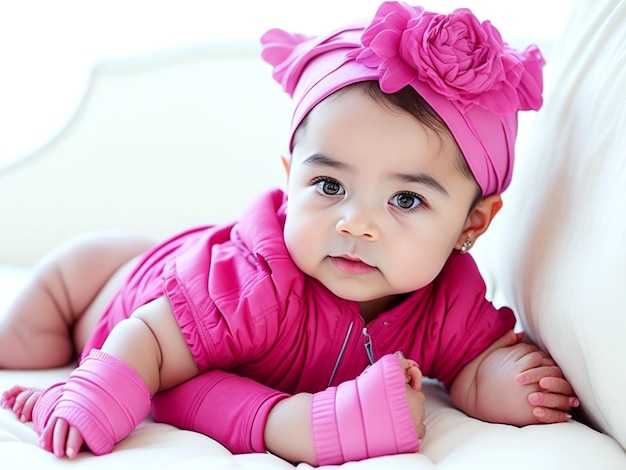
(369, 347)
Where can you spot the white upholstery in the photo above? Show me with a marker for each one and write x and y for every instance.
(159, 143)
(563, 235)
(190, 136)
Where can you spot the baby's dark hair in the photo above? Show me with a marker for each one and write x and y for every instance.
(410, 101)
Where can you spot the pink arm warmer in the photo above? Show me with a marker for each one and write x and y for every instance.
(104, 398)
(224, 406)
(365, 417)
(362, 418)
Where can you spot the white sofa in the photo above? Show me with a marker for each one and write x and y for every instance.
(191, 136)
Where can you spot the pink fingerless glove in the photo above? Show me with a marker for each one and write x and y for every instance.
(104, 398)
(365, 417)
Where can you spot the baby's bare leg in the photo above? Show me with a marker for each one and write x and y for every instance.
(38, 330)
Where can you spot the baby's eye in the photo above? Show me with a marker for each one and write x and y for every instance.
(407, 201)
(329, 187)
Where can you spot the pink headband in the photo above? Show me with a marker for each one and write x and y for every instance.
(460, 66)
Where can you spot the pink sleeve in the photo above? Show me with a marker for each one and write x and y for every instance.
(463, 322)
(229, 408)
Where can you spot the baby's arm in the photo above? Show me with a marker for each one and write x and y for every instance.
(142, 355)
(513, 383)
(150, 341)
(379, 413)
(248, 416)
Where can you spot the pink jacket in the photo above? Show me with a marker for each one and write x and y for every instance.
(244, 307)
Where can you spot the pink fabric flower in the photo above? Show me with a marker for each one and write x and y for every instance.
(455, 54)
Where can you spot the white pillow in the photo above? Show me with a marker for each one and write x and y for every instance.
(557, 253)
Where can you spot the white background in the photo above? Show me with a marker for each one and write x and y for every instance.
(47, 47)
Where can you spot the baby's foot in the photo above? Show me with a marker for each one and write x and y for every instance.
(21, 400)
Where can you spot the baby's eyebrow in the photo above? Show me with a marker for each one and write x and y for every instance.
(318, 159)
(422, 178)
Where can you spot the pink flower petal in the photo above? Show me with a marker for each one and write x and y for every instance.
(455, 54)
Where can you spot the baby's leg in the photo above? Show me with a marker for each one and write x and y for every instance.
(38, 330)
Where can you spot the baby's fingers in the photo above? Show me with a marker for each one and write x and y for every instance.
(535, 374)
(25, 402)
(54, 437)
(29, 404)
(61, 439)
(549, 416)
(411, 369)
(560, 386)
(556, 385)
(8, 397)
(7, 401)
(550, 400)
(74, 442)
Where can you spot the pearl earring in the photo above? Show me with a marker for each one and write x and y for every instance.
(467, 244)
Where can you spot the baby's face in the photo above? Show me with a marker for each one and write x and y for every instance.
(376, 201)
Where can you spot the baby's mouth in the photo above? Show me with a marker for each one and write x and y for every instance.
(352, 265)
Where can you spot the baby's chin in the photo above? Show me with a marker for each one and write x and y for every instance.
(350, 294)
(361, 291)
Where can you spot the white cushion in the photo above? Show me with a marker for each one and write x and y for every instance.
(558, 250)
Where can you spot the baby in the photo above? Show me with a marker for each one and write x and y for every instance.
(402, 140)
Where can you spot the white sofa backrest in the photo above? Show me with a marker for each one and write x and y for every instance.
(212, 116)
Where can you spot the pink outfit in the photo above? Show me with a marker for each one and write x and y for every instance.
(244, 307)
(258, 326)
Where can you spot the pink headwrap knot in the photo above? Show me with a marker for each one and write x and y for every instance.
(460, 66)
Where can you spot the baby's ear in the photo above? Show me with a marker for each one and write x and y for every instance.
(479, 219)
(286, 165)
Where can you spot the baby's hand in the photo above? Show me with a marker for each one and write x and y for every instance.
(414, 392)
(554, 397)
(57, 436)
(61, 439)
(514, 382)
(20, 400)
(524, 374)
